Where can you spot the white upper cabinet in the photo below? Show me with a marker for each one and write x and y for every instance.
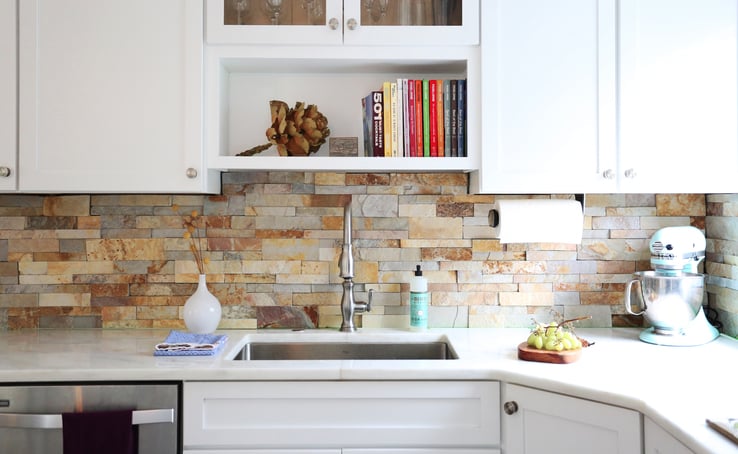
(111, 96)
(548, 96)
(289, 51)
(679, 95)
(335, 22)
(8, 96)
(605, 96)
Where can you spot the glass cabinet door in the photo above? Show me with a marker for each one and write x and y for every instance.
(411, 13)
(411, 22)
(335, 22)
(274, 12)
(274, 21)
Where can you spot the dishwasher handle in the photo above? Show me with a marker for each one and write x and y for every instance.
(41, 421)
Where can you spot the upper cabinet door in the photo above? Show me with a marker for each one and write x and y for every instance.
(8, 95)
(411, 22)
(679, 96)
(337, 22)
(270, 22)
(111, 96)
(548, 96)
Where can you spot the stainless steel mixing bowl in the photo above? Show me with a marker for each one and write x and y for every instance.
(669, 303)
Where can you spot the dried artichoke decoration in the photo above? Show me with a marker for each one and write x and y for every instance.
(299, 131)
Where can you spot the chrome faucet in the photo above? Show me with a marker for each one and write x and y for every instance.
(346, 263)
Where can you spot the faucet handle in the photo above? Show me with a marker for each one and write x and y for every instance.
(364, 307)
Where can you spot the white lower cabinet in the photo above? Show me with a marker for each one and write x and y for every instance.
(659, 441)
(348, 451)
(421, 451)
(348, 417)
(263, 451)
(541, 422)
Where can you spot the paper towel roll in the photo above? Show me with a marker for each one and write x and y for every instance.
(538, 221)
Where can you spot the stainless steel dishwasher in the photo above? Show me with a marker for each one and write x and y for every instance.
(31, 421)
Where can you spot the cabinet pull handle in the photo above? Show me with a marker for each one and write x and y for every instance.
(38, 421)
(4, 171)
(351, 24)
(608, 174)
(191, 173)
(510, 407)
(333, 23)
(630, 173)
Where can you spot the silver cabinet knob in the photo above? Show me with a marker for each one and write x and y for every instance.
(4, 171)
(630, 173)
(333, 23)
(510, 407)
(351, 24)
(191, 172)
(608, 174)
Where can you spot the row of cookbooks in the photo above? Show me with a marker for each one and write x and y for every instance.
(416, 118)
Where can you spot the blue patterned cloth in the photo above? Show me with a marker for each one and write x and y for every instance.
(179, 343)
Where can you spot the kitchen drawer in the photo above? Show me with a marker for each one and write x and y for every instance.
(341, 414)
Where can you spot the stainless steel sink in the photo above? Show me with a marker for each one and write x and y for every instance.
(255, 351)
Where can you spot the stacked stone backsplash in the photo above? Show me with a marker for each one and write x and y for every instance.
(273, 240)
(721, 230)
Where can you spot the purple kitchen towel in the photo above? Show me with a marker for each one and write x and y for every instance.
(97, 432)
(179, 343)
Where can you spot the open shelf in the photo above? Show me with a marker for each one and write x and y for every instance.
(242, 80)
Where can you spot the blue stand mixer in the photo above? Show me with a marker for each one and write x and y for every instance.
(670, 296)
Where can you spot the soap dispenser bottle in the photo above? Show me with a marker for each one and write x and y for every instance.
(419, 299)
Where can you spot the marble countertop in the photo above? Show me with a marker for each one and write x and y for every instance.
(677, 387)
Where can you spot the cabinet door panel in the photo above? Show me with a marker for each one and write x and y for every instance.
(548, 95)
(340, 414)
(421, 451)
(8, 94)
(679, 97)
(547, 422)
(293, 24)
(262, 451)
(110, 98)
(410, 22)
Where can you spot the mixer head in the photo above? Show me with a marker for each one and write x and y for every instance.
(677, 249)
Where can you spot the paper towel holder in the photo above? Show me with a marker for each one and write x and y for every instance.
(494, 217)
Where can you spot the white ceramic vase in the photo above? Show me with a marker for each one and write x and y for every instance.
(202, 310)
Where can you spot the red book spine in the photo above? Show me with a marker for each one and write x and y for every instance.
(433, 119)
(419, 116)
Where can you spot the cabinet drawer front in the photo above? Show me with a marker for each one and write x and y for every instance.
(341, 414)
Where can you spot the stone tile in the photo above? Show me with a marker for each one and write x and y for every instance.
(446, 228)
(64, 299)
(125, 249)
(290, 249)
(68, 205)
(417, 210)
(680, 204)
(526, 299)
(12, 222)
(367, 179)
(33, 245)
(330, 179)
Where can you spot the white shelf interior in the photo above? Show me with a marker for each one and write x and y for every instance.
(240, 88)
